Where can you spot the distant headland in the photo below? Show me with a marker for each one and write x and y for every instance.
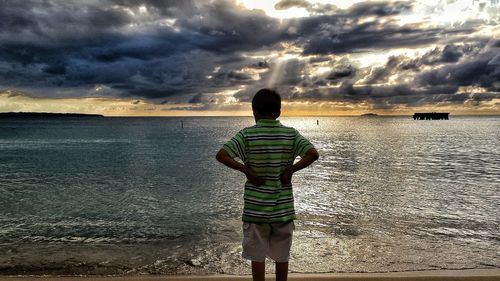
(45, 114)
(369, 115)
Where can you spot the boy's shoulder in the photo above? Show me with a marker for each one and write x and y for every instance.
(260, 128)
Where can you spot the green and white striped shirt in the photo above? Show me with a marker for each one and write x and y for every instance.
(268, 148)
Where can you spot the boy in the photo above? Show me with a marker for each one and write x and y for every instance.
(268, 151)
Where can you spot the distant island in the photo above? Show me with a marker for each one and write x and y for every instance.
(46, 114)
(369, 115)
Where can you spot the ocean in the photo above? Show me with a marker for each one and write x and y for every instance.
(126, 195)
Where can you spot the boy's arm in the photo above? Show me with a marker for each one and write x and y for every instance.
(311, 156)
(224, 157)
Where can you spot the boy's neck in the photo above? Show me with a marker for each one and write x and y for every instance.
(265, 117)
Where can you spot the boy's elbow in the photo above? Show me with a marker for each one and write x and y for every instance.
(220, 155)
(314, 154)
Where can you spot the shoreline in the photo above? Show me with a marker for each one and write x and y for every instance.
(430, 275)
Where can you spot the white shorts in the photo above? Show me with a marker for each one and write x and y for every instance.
(272, 240)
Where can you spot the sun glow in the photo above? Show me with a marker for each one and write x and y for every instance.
(322, 70)
(449, 12)
(380, 58)
(268, 7)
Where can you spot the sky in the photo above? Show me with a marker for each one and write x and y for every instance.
(206, 58)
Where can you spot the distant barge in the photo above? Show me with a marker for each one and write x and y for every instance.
(431, 116)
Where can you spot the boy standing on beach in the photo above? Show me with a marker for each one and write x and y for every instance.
(268, 151)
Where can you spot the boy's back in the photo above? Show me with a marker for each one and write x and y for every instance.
(268, 148)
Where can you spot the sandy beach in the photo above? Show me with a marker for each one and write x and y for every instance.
(431, 275)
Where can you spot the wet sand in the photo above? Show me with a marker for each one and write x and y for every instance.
(432, 275)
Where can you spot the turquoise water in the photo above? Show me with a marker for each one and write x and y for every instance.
(143, 195)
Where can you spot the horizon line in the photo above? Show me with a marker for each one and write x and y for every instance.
(286, 115)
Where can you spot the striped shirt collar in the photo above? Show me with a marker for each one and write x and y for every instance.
(268, 123)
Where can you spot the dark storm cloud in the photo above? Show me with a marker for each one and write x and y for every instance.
(381, 74)
(347, 31)
(468, 65)
(286, 4)
(446, 54)
(198, 98)
(55, 68)
(313, 9)
(176, 50)
(233, 75)
(71, 44)
(166, 7)
(381, 97)
(57, 23)
(381, 9)
(342, 72)
(474, 64)
(350, 92)
(260, 65)
(223, 27)
(329, 38)
(481, 70)
(437, 56)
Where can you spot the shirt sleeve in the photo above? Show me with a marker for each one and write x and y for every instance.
(235, 147)
(301, 145)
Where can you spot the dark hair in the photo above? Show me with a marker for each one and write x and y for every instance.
(266, 102)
